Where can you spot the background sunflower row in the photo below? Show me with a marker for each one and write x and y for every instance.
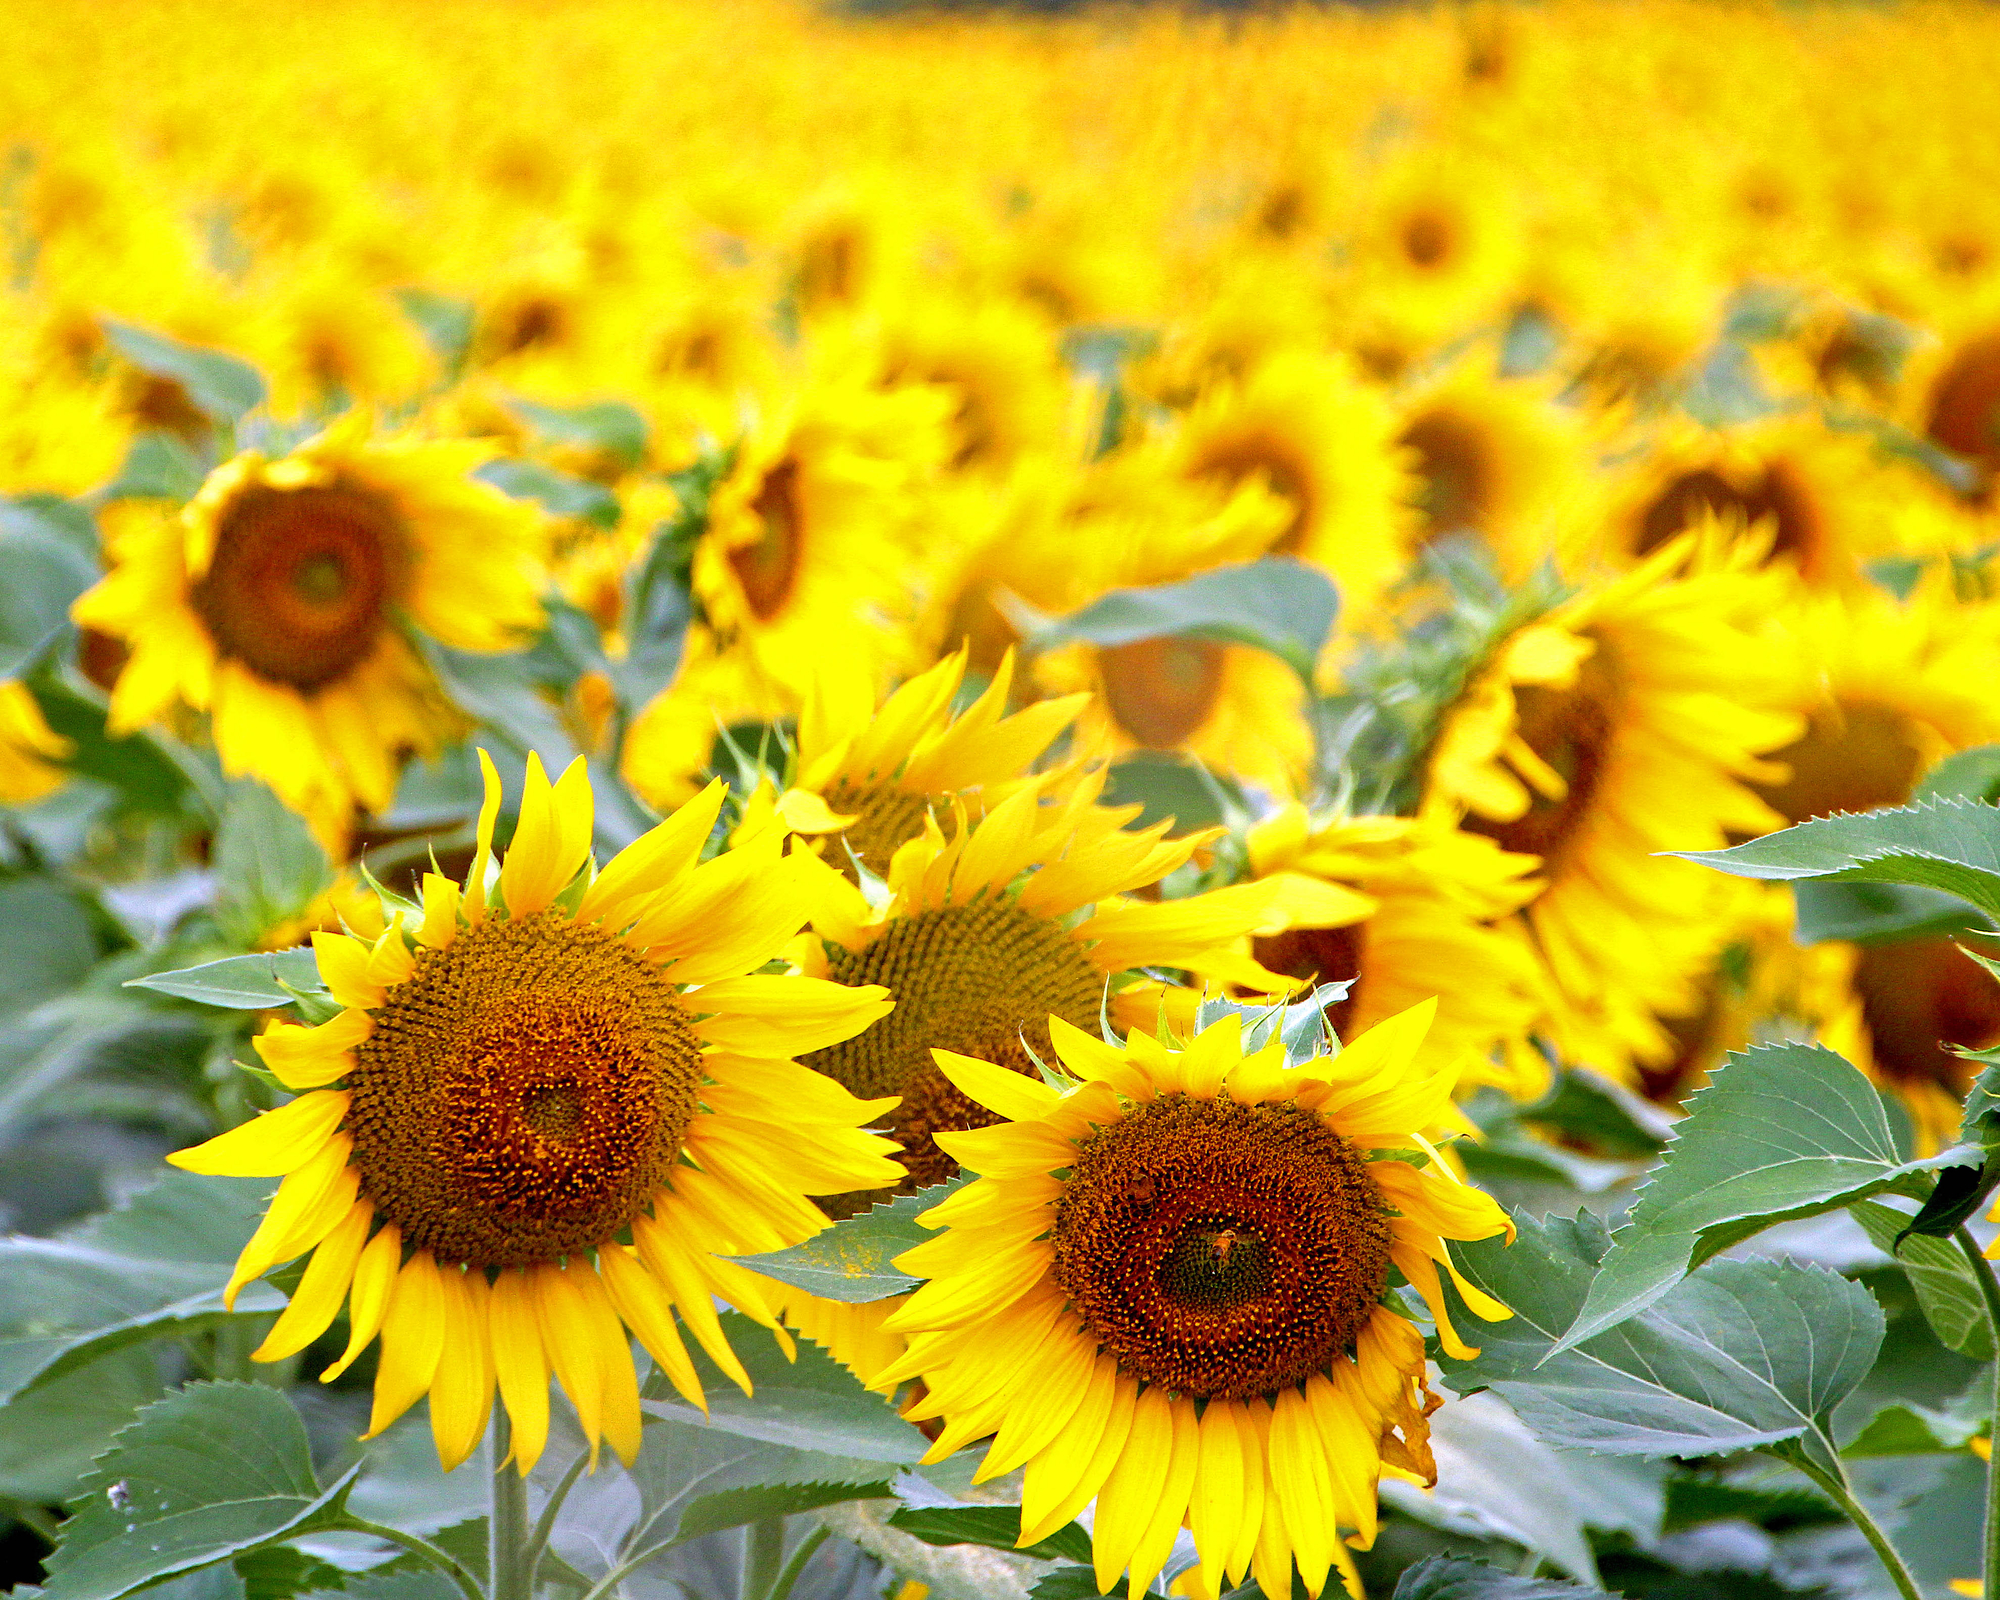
(1651, 478)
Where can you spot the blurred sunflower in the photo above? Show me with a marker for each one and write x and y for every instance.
(1954, 389)
(1627, 723)
(275, 601)
(812, 533)
(1324, 443)
(30, 751)
(546, 1065)
(1014, 918)
(1165, 1292)
(1425, 898)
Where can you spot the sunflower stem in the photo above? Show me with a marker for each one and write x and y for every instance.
(1837, 1489)
(782, 1589)
(763, 1558)
(510, 1562)
(1989, 1289)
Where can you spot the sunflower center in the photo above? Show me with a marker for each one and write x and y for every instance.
(1775, 495)
(1455, 471)
(1920, 997)
(1161, 691)
(1221, 1250)
(1855, 757)
(1965, 403)
(524, 1093)
(301, 581)
(974, 979)
(1320, 955)
(1234, 460)
(1570, 729)
(769, 568)
(1428, 240)
(885, 817)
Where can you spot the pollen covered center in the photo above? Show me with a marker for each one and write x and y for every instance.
(524, 1093)
(1161, 691)
(301, 581)
(768, 569)
(1571, 731)
(885, 817)
(1221, 1250)
(970, 978)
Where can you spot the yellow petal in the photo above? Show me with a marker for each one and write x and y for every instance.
(343, 968)
(390, 961)
(308, 1058)
(783, 1017)
(368, 1297)
(520, 1364)
(1131, 1495)
(617, 1379)
(652, 862)
(294, 1224)
(1014, 1095)
(489, 813)
(462, 1387)
(270, 1145)
(440, 924)
(568, 1329)
(316, 1301)
(412, 1341)
(551, 841)
(647, 1309)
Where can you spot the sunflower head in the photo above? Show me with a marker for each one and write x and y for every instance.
(553, 1098)
(1182, 1257)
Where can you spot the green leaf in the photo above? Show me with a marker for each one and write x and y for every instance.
(557, 493)
(1301, 1026)
(278, 1572)
(693, 1480)
(221, 387)
(46, 943)
(158, 466)
(154, 1268)
(1946, 843)
(1963, 775)
(1458, 1578)
(50, 1436)
(1275, 604)
(267, 863)
(996, 1527)
(611, 426)
(395, 1582)
(1960, 1194)
(446, 324)
(1878, 913)
(262, 982)
(1911, 1430)
(1075, 1583)
(1780, 1132)
(1940, 1275)
(1739, 1354)
(1600, 1115)
(812, 1403)
(209, 1472)
(1165, 786)
(850, 1261)
(42, 570)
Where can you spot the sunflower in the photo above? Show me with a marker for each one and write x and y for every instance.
(1167, 1290)
(1629, 722)
(867, 774)
(1955, 400)
(273, 602)
(1425, 898)
(1324, 443)
(543, 1117)
(1015, 917)
(29, 748)
(811, 534)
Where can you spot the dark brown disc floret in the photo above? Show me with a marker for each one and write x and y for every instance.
(302, 581)
(1221, 1250)
(524, 1093)
(971, 978)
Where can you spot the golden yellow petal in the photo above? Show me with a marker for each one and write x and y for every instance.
(270, 1145)
(413, 1333)
(316, 1301)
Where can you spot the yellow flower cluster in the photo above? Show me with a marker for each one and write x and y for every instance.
(1633, 377)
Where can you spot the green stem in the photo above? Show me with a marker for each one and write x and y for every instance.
(763, 1556)
(423, 1549)
(510, 1564)
(538, 1541)
(1836, 1487)
(1989, 1289)
(782, 1589)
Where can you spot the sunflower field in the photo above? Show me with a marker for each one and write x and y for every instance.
(856, 803)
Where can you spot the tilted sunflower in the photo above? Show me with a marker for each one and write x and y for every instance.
(812, 533)
(545, 1115)
(867, 773)
(1166, 1291)
(1018, 916)
(30, 751)
(1425, 899)
(1629, 722)
(274, 602)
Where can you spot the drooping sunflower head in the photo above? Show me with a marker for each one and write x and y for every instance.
(1183, 1255)
(543, 1111)
(276, 601)
(1011, 919)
